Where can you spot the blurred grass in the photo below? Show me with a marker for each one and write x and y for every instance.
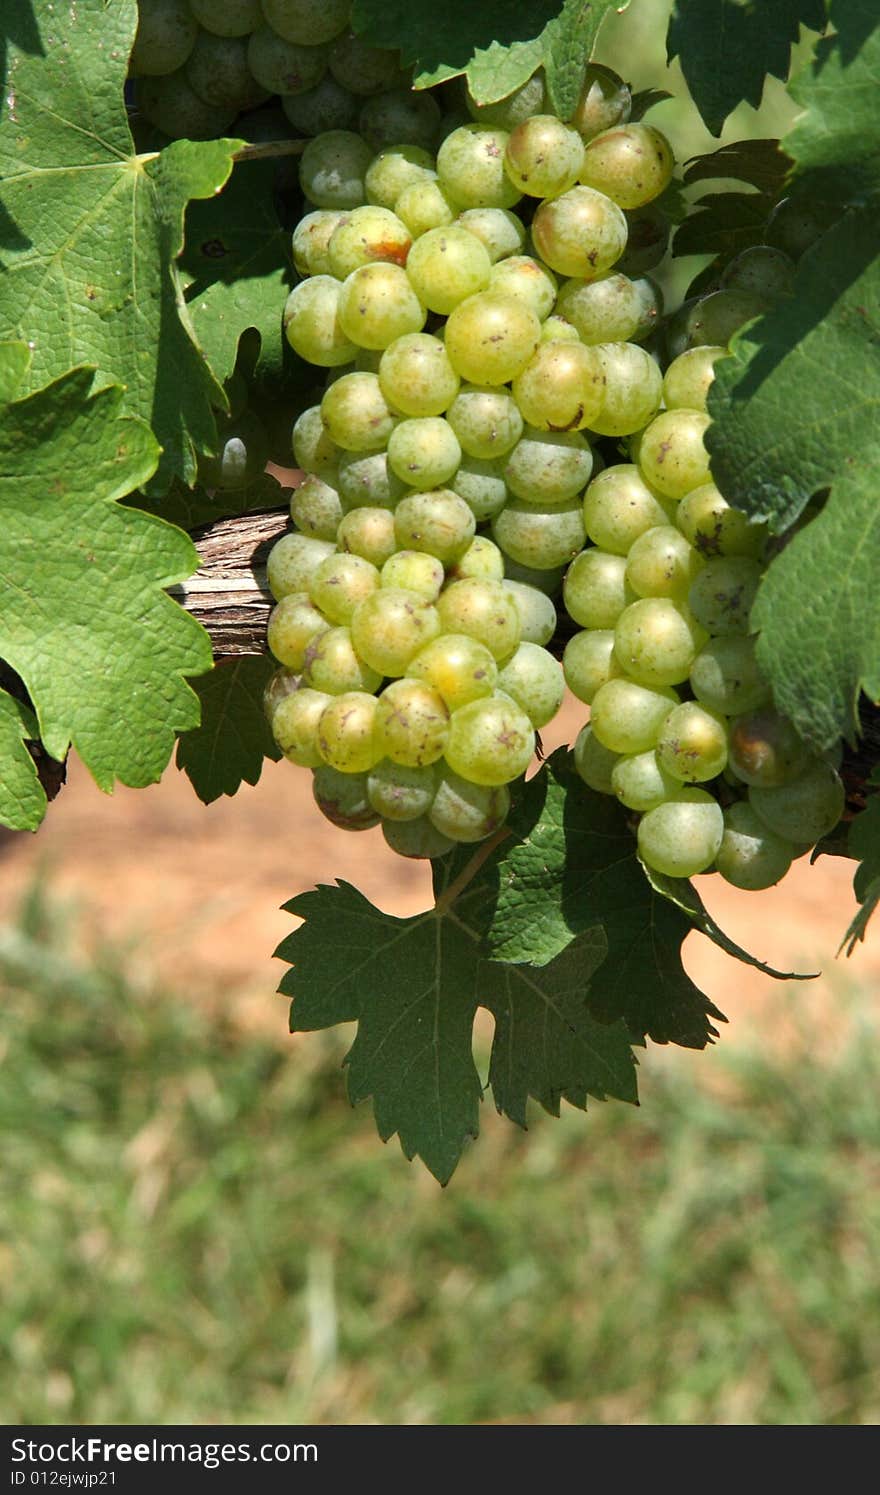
(197, 1228)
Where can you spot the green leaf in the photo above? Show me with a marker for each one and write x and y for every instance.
(837, 141)
(191, 508)
(91, 231)
(723, 224)
(568, 44)
(233, 740)
(573, 870)
(22, 797)
(762, 163)
(796, 410)
(727, 48)
(864, 844)
(684, 895)
(85, 621)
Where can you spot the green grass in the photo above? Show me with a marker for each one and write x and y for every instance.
(196, 1227)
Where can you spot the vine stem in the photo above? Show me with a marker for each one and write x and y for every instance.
(470, 870)
(261, 151)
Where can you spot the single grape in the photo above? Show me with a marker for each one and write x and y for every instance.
(311, 240)
(806, 809)
(459, 668)
(425, 206)
(796, 224)
(377, 304)
(412, 723)
(295, 726)
(484, 611)
(661, 563)
(282, 67)
(400, 793)
(470, 165)
(712, 320)
(689, 378)
(416, 838)
(312, 325)
(507, 113)
(281, 684)
(490, 337)
(292, 562)
(589, 660)
(346, 732)
(619, 507)
(555, 329)
(581, 233)
(315, 508)
(627, 717)
(218, 71)
(721, 597)
(765, 749)
(595, 590)
(325, 107)
(547, 468)
(540, 538)
(169, 103)
(226, 17)
(333, 664)
(467, 812)
(416, 376)
(424, 452)
(762, 271)
(651, 305)
(293, 623)
(672, 455)
(391, 626)
(415, 571)
(364, 236)
(365, 481)
(647, 241)
(593, 762)
(356, 415)
(437, 521)
(527, 280)
(605, 101)
(394, 169)
(307, 21)
(681, 837)
(333, 168)
(726, 678)
(632, 164)
(602, 311)
(340, 584)
(534, 680)
(543, 157)
(482, 486)
(692, 746)
(312, 447)
(750, 855)
(486, 421)
(712, 527)
(342, 798)
(400, 115)
(656, 641)
(537, 614)
(368, 532)
(166, 35)
(243, 449)
(632, 389)
(490, 741)
(640, 783)
(446, 265)
(498, 230)
(362, 69)
(561, 387)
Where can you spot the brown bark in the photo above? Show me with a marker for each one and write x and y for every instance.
(229, 593)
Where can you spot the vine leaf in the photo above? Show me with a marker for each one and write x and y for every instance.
(190, 508)
(90, 231)
(232, 741)
(726, 49)
(864, 845)
(684, 895)
(724, 223)
(837, 140)
(85, 622)
(22, 796)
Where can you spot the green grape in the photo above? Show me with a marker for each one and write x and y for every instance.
(534, 680)
(356, 415)
(466, 812)
(751, 856)
(647, 240)
(333, 664)
(499, 231)
(416, 838)
(312, 325)
(712, 320)
(602, 311)
(470, 165)
(367, 235)
(672, 456)
(368, 532)
(325, 107)
(415, 571)
(681, 837)
(580, 233)
(281, 684)
(292, 562)
(632, 389)
(540, 538)
(482, 486)
(394, 169)
(362, 69)
(619, 507)
(365, 481)
(295, 726)
(311, 240)
(708, 522)
(526, 280)
(175, 108)
(796, 224)
(416, 376)
(412, 723)
(217, 70)
(166, 35)
(692, 746)
(589, 660)
(593, 762)
(340, 584)
(484, 611)
(486, 421)
(342, 799)
(726, 678)
(424, 451)
(445, 266)
(651, 305)
(605, 101)
(661, 563)
(548, 467)
(459, 668)
(627, 717)
(543, 157)
(391, 626)
(762, 271)
(595, 590)
(689, 378)
(312, 447)
(244, 448)
(806, 809)
(377, 304)
(632, 164)
(308, 22)
(765, 749)
(555, 329)
(656, 641)
(640, 783)
(400, 115)
(537, 614)
(507, 113)
(437, 521)
(315, 508)
(424, 207)
(293, 623)
(490, 741)
(721, 597)
(346, 732)
(400, 793)
(282, 67)
(226, 17)
(333, 168)
(481, 561)
(560, 388)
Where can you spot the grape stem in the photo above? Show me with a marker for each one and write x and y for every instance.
(264, 149)
(469, 871)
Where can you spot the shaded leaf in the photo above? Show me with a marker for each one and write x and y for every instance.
(837, 141)
(231, 743)
(864, 844)
(22, 796)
